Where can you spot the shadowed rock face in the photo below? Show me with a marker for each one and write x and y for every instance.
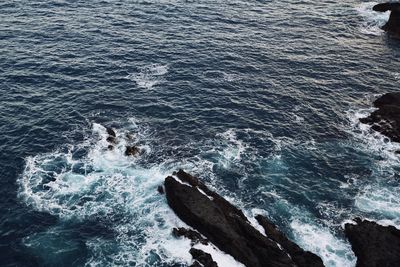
(386, 119)
(300, 257)
(222, 223)
(393, 24)
(203, 257)
(373, 244)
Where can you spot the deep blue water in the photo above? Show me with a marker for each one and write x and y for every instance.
(258, 98)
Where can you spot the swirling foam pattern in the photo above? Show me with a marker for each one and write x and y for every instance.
(259, 98)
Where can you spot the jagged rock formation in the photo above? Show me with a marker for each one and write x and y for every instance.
(373, 244)
(225, 225)
(386, 119)
(194, 236)
(393, 24)
(300, 257)
(203, 258)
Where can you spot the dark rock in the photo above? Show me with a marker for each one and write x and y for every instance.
(110, 132)
(193, 181)
(160, 189)
(222, 224)
(111, 139)
(110, 147)
(129, 136)
(383, 7)
(373, 244)
(203, 257)
(300, 257)
(195, 236)
(131, 151)
(393, 24)
(386, 119)
(196, 264)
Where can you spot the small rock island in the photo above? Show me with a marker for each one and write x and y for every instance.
(393, 24)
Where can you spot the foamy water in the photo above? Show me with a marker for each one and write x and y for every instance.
(259, 99)
(373, 21)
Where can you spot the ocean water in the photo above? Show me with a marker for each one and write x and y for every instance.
(261, 99)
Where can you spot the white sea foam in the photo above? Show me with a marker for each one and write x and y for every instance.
(384, 201)
(233, 148)
(319, 240)
(373, 21)
(229, 77)
(149, 76)
(106, 185)
(371, 141)
(379, 197)
(221, 258)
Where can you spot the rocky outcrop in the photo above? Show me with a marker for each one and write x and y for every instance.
(194, 236)
(223, 224)
(373, 244)
(131, 151)
(300, 257)
(203, 257)
(393, 24)
(111, 138)
(386, 119)
(160, 189)
(110, 132)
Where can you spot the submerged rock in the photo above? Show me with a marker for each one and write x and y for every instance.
(300, 257)
(111, 139)
(386, 119)
(393, 24)
(131, 151)
(160, 189)
(203, 257)
(110, 132)
(373, 244)
(222, 223)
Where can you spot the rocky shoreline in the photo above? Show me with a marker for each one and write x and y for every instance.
(393, 24)
(214, 220)
(386, 119)
(228, 228)
(217, 221)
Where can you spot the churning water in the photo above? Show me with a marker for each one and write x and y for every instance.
(261, 99)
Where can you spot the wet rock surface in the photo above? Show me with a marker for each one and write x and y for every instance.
(111, 138)
(160, 189)
(132, 151)
(386, 119)
(300, 257)
(110, 132)
(393, 24)
(194, 236)
(373, 244)
(223, 224)
(203, 257)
